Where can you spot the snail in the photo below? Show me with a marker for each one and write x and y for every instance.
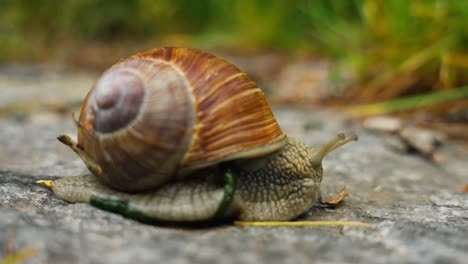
(178, 134)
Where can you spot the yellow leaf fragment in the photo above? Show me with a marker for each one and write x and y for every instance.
(300, 223)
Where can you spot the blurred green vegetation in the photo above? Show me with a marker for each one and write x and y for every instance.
(394, 47)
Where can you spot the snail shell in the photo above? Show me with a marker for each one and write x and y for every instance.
(168, 110)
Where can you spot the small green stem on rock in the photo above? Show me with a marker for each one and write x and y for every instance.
(229, 189)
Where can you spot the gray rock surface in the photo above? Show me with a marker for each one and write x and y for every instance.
(418, 208)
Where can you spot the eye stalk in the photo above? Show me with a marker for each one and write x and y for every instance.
(331, 145)
(319, 155)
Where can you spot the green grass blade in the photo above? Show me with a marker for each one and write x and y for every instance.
(409, 103)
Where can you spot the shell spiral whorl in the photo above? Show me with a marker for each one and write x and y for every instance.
(136, 123)
(118, 99)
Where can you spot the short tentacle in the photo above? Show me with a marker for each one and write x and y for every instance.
(92, 165)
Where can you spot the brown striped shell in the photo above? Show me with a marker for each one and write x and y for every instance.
(171, 109)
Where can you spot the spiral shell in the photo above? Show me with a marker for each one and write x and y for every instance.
(170, 109)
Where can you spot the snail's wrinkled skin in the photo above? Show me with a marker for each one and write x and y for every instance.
(278, 186)
(281, 187)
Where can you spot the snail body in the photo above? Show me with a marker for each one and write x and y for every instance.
(178, 134)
